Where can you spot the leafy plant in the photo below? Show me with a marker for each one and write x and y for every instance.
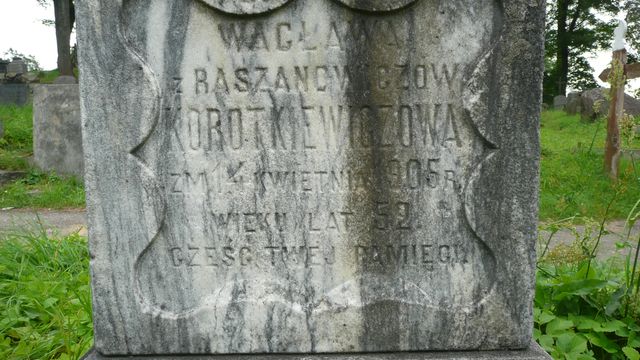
(585, 309)
(45, 301)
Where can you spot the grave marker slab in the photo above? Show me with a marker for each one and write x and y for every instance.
(311, 176)
(14, 94)
(57, 133)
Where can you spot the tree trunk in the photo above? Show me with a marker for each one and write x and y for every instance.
(562, 54)
(62, 9)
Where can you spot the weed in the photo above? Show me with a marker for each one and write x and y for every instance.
(585, 309)
(45, 301)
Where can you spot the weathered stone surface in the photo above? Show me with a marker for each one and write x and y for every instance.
(10, 176)
(17, 67)
(535, 352)
(16, 94)
(311, 178)
(592, 104)
(57, 134)
(559, 102)
(66, 79)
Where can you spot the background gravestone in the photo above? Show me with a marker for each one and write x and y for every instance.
(13, 90)
(559, 102)
(17, 67)
(312, 176)
(14, 94)
(593, 104)
(57, 134)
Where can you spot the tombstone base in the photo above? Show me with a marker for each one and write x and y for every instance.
(535, 352)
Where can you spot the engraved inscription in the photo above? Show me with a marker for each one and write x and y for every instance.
(319, 150)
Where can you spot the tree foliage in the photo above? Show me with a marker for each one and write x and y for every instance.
(632, 8)
(575, 29)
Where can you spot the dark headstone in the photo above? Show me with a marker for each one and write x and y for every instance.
(15, 94)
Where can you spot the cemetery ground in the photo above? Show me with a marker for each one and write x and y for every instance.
(36, 189)
(585, 308)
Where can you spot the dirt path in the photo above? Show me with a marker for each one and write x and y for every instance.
(615, 233)
(64, 222)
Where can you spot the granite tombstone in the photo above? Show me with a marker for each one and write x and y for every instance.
(311, 176)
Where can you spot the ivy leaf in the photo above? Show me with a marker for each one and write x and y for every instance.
(631, 353)
(602, 341)
(579, 288)
(545, 317)
(546, 341)
(571, 344)
(633, 340)
(537, 333)
(558, 326)
(585, 323)
(611, 326)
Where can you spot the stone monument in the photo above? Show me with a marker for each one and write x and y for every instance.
(347, 177)
(559, 102)
(17, 67)
(57, 133)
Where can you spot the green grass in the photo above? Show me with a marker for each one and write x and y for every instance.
(38, 190)
(45, 298)
(48, 77)
(16, 146)
(573, 181)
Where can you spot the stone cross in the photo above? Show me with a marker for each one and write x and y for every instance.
(334, 177)
(616, 109)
